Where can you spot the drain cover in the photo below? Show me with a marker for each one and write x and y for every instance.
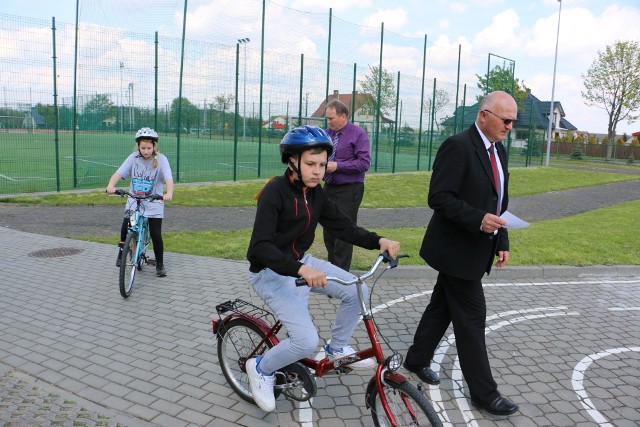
(55, 252)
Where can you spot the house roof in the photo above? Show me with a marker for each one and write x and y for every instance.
(531, 112)
(37, 117)
(347, 99)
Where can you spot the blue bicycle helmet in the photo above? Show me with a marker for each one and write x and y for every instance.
(303, 138)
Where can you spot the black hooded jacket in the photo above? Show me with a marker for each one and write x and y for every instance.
(285, 225)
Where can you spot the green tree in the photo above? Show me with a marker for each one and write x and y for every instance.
(369, 86)
(442, 99)
(223, 103)
(188, 116)
(48, 114)
(98, 108)
(612, 83)
(502, 78)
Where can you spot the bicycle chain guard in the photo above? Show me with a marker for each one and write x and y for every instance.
(296, 382)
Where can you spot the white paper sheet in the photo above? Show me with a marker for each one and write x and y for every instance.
(513, 221)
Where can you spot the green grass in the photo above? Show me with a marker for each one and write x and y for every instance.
(607, 236)
(604, 236)
(382, 190)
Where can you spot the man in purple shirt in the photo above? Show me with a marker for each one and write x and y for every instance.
(344, 180)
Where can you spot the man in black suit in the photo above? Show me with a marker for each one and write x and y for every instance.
(467, 194)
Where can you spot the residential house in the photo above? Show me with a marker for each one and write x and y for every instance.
(360, 113)
(533, 116)
(276, 123)
(33, 119)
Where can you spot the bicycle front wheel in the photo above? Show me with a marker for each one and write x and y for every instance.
(128, 264)
(407, 404)
(236, 340)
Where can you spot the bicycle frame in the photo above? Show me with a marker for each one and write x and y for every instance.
(324, 366)
(141, 227)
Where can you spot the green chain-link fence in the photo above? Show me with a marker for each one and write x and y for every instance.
(220, 97)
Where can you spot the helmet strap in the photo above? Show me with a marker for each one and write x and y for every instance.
(297, 169)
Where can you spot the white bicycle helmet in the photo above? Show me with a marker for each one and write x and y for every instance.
(146, 133)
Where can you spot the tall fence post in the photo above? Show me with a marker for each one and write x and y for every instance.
(424, 67)
(379, 104)
(155, 85)
(179, 123)
(395, 134)
(455, 116)
(301, 88)
(527, 160)
(75, 97)
(326, 92)
(433, 119)
(464, 104)
(55, 103)
(264, 5)
(236, 115)
(354, 93)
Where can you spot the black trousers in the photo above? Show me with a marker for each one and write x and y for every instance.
(348, 198)
(155, 230)
(462, 303)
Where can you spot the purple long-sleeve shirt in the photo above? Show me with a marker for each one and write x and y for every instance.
(353, 154)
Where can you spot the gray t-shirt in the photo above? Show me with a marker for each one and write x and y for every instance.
(145, 179)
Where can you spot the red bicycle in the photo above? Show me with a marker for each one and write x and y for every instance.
(247, 331)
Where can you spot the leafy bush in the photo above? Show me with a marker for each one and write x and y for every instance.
(577, 153)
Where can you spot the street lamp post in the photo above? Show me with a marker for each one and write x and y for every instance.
(131, 115)
(553, 88)
(244, 108)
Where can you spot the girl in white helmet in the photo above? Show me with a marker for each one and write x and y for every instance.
(149, 171)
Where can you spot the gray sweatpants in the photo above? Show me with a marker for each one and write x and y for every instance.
(290, 305)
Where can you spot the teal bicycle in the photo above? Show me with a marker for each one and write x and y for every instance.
(134, 251)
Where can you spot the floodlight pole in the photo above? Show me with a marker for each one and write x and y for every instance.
(131, 115)
(553, 88)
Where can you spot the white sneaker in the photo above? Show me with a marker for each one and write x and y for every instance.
(347, 350)
(261, 387)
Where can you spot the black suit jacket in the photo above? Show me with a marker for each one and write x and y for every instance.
(461, 192)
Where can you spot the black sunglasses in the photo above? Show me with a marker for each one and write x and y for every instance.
(506, 122)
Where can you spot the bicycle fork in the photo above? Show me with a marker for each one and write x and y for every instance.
(383, 372)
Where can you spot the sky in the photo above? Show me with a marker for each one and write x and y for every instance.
(521, 30)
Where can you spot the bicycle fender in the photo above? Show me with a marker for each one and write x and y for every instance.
(260, 323)
(395, 376)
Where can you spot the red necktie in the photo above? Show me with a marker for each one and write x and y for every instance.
(496, 175)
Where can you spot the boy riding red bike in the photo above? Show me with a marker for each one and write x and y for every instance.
(289, 209)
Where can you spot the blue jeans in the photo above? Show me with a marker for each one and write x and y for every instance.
(290, 305)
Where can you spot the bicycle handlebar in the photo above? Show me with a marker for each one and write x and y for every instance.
(383, 257)
(151, 197)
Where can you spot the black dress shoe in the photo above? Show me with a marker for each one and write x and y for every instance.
(425, 373)
(499, 406)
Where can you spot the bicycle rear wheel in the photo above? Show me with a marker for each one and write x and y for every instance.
(236, 340)
(407, 404)
(128, 264)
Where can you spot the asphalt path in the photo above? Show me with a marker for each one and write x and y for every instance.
(104, 221)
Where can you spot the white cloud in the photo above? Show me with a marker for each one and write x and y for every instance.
(503, 35)
(336, 5)
(394, 19)
(458, 7)
(444, 24)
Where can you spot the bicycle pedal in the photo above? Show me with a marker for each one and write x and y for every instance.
(151, 261)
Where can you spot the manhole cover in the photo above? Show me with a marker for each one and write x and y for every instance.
(55, 252)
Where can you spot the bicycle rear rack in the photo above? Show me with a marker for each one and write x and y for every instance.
(245, 309)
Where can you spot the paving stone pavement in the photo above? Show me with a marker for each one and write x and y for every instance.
(564, 343)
